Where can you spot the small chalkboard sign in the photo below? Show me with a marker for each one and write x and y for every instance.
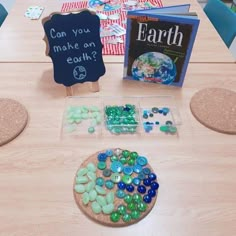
(74, 44)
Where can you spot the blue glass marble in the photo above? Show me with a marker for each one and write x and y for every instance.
(145, 115)
(109, 152)
(169, 122)
(102, 156)
(165, 110)
(151, 192)
(130, 188)
(147, 182)
(141, 176)
(141, 189)
(146, 171)
(136, 181)
(152, 177)
(137, 168)
(154, 185)
(116, 166)
(109, 184)
(141, 160)
(100, 181)
(121, 185)
(120, 193)
(147, 199)
(128, 170)
(155, 110)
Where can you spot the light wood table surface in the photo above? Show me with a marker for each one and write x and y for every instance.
(21, 38)
(196, 170)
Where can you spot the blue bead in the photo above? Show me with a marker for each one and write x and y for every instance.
(120, 193)
(142, 160)
(151, 192)
(141, 189)
(109, 152)
(128, 170)
(116, 166)
(137, 168)
(146, 171)
(100, 181)
(102, 157)
(154, 185)
(147, 198)
(152, 176)
(141, 176)
(109, 184)
(145, 116)
(165, 110)
(136, 181)
(130, 188)
(121, 185)
(147, 182)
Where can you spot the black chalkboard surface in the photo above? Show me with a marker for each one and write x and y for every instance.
(74, 44)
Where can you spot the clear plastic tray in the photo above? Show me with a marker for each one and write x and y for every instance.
(115, 116)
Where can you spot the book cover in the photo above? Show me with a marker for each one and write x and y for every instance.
(159, 43)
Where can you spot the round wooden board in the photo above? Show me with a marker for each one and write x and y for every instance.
(13, 119)
(216, 109)
(103, 218)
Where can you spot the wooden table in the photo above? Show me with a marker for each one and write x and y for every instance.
(196, 170)
(21, 38)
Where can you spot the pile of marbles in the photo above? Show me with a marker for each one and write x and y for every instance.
(116, 187)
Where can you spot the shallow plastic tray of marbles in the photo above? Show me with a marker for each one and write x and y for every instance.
(115, 116)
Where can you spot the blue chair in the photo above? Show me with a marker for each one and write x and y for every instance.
(3, 14)
(223, 19)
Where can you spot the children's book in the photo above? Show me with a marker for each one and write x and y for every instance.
(159, 43)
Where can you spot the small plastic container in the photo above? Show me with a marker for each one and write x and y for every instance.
(120, 116)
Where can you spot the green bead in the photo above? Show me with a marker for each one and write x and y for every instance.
(135, 214)
(131, 162)
(164, 128)
(92, 195)
(125, 153)
(101, 165)
(96, 208)
(133, 155)
(108, 209)
(114, 158)
(115, 177)
(121, 209)
(81, 180)
(128, 198)
(90, 186)
(131, 206)
(85, 198)
(126, 217)
(101, 200)
(82, 171)
(123, 160)
(100, 190)
(91, 175)
(79, 188)
(110, 197)
(115, 216)
(91, 167)
(127, 179)
(141, 206)
(172, 129)
(91, 130)
(137, 198)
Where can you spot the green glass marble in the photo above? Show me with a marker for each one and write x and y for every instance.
(128, 198)
(172, 129)
(121, 209)
(137, 198)
(164, 128)
(133, 155)
(141, 206)
(91, 167)
(126, 153)
(100, 190)
(114, 158)
(96, 208)
(135, 214)
(131, 206)
(115, 216)
(127, 179)
(131, 162)
(108, 209)
(101, 165)
(91, 130)
(123, 160)
(126, 217)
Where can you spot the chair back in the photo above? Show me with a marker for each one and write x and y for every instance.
(3, 14)
(223, 19)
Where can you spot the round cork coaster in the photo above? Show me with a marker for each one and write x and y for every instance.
(124, 203)
(216, 109)
(13, 119)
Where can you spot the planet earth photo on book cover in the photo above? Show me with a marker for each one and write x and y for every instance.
(154, 67)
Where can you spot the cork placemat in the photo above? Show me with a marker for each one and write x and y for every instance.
(13, 119)
(126, 212)
(216, 109)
